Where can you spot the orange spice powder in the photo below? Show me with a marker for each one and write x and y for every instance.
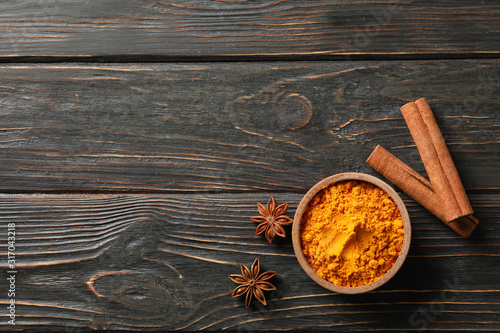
(351, 233)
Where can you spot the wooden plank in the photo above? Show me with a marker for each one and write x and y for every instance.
(235, 127)
(144, 262)
(297, 28)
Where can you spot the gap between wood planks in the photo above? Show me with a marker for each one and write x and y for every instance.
(180, 192)
(158, 58)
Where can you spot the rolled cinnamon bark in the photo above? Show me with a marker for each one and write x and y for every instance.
(443, 153)
(422, 136)
(444, 196)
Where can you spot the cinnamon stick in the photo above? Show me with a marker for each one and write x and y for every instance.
(444, 196)
(445, 158)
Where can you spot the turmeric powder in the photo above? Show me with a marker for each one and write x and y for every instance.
(351, 233)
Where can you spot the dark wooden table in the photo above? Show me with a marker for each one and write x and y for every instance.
(138, 136)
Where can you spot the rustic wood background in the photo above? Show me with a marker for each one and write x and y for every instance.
(137, 137)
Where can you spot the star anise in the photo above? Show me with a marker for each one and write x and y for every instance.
(252, 283)
(272, 220)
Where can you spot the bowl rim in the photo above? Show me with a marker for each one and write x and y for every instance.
(297, 222)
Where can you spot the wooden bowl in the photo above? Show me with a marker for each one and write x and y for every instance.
(298, 219)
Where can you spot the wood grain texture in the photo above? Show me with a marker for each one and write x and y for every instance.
(131, 185)
(196, 28)
(145, 262)
(238, 127)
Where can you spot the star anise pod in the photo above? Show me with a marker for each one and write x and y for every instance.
(252, 283)
(272, 220)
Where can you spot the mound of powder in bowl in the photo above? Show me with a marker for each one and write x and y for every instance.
(351, 233)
